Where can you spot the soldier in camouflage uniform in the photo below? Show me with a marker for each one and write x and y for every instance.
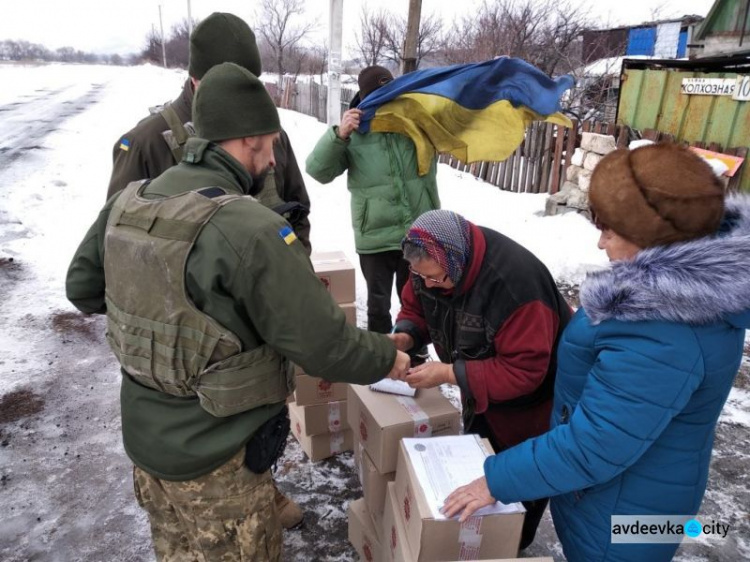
(157, 142)
(209, 295)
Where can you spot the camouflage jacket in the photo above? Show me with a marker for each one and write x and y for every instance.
(251, 277)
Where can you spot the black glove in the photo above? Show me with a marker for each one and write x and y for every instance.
(293, 212)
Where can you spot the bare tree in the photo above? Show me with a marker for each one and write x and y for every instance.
(282, 27)
(152, 51)
(428, 42)
(178, 44)
(372, 37)
(542, 32)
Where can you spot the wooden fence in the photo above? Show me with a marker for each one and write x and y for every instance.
(537, 166)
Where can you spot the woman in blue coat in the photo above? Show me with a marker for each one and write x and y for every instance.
(645, 365)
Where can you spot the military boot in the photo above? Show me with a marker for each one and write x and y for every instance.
(290, 514)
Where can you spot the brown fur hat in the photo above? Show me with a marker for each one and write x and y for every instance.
(657, 194)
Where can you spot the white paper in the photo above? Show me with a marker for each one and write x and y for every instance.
(394, 387)
(443, 464)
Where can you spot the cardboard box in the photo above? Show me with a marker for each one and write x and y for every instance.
(382, 420)
(374, 487)
(362, 533)
(350, 310)
(312, 390)
(395, 547)
(319, 447)
(322, 418)
(493, 536)
(336, 273)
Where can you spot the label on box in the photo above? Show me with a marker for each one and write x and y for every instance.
(367, 549)
(470, 539)
(337, 442)
(360, 464)
(334, 417)
(422, 427)
(362, 427)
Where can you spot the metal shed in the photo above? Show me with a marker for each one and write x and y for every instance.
(655, 95)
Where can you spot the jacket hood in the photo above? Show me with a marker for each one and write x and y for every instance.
(700, 281)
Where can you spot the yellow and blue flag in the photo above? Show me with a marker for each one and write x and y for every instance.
(287, 235)
(475, 112)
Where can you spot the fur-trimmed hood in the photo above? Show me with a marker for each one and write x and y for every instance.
(696, 282)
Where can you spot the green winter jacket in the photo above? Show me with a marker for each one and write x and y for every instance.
(242, 273)
(387, 193)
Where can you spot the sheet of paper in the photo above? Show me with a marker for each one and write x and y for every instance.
(394, 387)
(443, 464)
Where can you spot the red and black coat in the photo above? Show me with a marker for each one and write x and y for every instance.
(499, 327)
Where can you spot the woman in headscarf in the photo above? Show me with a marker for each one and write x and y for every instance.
(646, 363)
(494, 314)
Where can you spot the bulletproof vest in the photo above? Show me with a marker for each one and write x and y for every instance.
(159, 336)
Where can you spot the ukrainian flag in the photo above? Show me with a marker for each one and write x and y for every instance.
(475, 112)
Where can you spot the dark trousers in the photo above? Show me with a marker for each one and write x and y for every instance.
(534, 509)
(378, 270)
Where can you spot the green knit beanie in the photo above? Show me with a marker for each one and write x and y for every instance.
(231, 103)
(222, 38)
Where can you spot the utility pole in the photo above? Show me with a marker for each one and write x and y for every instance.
(163, 41)
(335, 32)
(190, 19)
(409, 60)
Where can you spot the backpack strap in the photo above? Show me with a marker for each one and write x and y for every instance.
(177, 135)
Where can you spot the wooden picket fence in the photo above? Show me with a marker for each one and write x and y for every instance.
(538, 165)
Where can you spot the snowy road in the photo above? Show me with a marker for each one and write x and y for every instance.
(25, 123)
(65, 483)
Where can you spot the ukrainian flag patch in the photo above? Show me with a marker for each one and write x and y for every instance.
(125, 145)
(287, 235)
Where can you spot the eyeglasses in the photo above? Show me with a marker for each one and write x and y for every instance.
(432, 279)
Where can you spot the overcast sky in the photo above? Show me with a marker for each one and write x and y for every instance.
(121, 27)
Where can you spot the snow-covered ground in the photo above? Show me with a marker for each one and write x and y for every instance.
(65, 484)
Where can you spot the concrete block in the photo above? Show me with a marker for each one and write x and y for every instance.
(600, 144)
(571, 174)
(578, 200)
(591, 160)
(584, 180)
(578, 157)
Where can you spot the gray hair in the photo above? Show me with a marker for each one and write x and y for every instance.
(414, 253)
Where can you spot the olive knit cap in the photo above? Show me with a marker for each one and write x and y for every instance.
(222, 38)
(656, 195)
(231, 103)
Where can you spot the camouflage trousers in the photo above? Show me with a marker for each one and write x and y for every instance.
(227, 515)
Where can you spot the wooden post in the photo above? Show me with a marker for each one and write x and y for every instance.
(409, 63)
(557, 161)
(547, 154)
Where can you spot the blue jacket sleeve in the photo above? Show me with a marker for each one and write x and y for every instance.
(639, 382)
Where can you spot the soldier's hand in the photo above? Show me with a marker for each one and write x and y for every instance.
(349, 123)
(400, 366)
(403, 341)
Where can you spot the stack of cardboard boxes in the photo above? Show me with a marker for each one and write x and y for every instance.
(379, 422)
(413, 525)
(318, 413)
